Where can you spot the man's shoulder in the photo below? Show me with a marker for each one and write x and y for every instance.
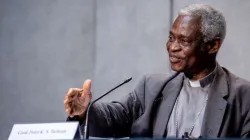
(159, 77)
(236, 81)
(158, 80)
(239, 88)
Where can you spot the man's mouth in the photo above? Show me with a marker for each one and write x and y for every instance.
(174, 59)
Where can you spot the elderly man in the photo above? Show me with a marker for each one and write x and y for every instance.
(200, 99)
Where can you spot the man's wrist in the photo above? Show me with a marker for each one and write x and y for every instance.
(79, 118)
(82, 116)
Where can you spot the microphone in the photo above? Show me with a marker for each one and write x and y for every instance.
(85, 134)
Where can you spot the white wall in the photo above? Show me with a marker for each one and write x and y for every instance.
(46, 47)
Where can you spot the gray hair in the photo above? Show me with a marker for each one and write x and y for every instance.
(213, 23)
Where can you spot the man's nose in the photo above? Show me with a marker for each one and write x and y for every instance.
(174, 47)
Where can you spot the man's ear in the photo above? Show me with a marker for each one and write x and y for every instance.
(214, 46)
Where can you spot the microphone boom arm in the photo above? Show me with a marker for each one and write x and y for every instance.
(85, 134)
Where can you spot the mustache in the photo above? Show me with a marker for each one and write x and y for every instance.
(176, 56)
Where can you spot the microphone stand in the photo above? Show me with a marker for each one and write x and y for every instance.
(85, 134)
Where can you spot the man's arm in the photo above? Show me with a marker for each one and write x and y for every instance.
(115, 119)
(245, 132)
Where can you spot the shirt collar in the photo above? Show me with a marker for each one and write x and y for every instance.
(205, 81)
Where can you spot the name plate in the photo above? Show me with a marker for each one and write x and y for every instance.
(45, 131)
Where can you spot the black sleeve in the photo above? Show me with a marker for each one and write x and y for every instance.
(115, 119)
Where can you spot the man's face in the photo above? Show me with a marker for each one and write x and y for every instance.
(184, 44)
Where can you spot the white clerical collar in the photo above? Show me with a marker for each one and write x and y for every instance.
(194, 83)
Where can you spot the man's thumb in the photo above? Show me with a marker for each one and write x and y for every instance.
(87, 85)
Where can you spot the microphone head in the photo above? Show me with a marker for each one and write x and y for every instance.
(128, 79)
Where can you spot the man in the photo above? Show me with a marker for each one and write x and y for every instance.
(201, 98)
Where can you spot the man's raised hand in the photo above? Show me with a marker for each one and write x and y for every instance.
(77, 100)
